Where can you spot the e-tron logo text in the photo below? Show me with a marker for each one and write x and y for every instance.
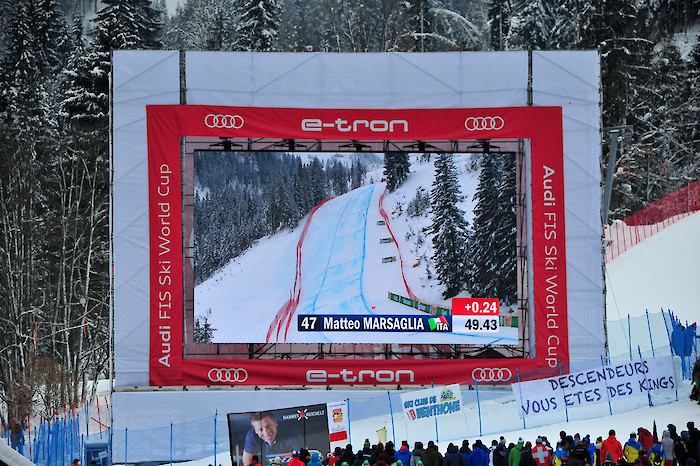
(483, 123)
(345, 126)
(491, 374)
(362, 375)
(223, 121)
(228, 375)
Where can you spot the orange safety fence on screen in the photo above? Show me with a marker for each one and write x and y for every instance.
(623, 234)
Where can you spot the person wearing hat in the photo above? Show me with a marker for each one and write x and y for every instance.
(540, 453)
(359, 458)
(667, 443)
(631, 449)
(515, 452)
(403, 454)
(464, 450)
(591, 449)
(276, 461)
(296, 460)
(500, 456)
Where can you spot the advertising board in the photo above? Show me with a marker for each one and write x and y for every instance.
(278, 432)
(541, 126)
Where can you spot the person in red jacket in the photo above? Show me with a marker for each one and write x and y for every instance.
(645, 438)
(295, 461)
(612, 445)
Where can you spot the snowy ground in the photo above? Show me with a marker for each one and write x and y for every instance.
(659, 273)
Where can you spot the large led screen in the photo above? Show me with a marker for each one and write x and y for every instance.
(314, 247)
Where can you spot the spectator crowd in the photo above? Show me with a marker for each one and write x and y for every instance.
(643, 448)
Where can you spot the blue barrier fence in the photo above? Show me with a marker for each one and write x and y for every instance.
(684, 342)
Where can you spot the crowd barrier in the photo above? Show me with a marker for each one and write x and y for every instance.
(59, 439)
(623, 234)
(683, 341)
(486, 411)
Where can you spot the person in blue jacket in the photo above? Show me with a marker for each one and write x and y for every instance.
(453, 457)
(478, 457)
(657, 455)
(403, 454)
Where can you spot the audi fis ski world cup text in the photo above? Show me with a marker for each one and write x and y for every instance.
(551, 258)
(164, 265)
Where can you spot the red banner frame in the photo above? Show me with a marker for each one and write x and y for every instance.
(166, 124)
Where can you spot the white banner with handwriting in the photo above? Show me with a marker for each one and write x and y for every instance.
(634, 378)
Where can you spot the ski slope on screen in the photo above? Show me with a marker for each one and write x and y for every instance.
(342, 272)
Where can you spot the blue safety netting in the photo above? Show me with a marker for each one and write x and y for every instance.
(176, 442)
(683, 341)
(57, 443)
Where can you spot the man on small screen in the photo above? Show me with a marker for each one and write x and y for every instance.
(265, 438)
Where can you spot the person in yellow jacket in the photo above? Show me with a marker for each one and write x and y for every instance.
(561, 455)
(657, 455)
(631, 449)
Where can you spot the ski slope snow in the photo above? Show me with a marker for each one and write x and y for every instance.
(333, 262)
(661, 272)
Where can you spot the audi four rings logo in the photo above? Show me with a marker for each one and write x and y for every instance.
(228, 375)
(483, 123)
(223, 121)
(491, 374)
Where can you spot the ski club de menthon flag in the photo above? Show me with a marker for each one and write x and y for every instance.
(439, 401)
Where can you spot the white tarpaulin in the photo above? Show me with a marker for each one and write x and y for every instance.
(634, 378)
(372, 80)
